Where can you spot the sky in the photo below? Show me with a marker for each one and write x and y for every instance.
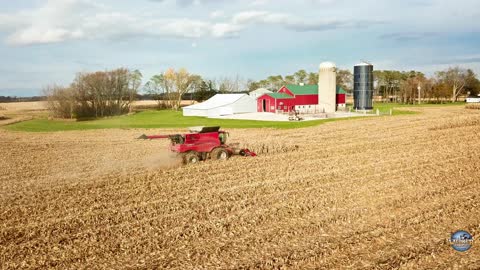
(46, 42)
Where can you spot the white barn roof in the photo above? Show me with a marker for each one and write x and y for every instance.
(216, 101)
(222, 104)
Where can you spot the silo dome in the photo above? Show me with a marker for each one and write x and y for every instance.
(327, 65)
(362, 64)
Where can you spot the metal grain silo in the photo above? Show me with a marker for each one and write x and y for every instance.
(363, 86)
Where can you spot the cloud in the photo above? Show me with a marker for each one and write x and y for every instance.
(323, 2)
(409, 36)
(67, 20)
(217, 14)
(260, 2)
(186, 3)
(291, 22)
(64, 20)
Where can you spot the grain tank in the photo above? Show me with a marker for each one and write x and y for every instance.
(363, 86)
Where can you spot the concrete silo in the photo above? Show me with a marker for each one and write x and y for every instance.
(327, 86)
(363, 86)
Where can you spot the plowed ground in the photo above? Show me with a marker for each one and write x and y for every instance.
(381, 192)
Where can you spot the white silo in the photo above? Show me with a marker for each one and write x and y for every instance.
(327, 87)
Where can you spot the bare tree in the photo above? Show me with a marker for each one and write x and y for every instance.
(455, 78)
(60, 101)
(345, 79)
(98, 94)
(180, 82)
(160, 90)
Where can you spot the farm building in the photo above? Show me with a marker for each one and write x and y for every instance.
(473, 99)
(222, 104)
(302, 98)
(326, 97)
(259, 92)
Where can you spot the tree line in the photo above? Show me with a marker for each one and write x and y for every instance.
(8, 99)
(108, 93)
(408, 87)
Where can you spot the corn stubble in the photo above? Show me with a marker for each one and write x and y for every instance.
(370, 193)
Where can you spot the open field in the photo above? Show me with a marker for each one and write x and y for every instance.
(171, 119)
(382, 192)
(24, 106)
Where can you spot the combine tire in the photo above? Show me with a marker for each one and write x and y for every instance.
(191, 158)
(219, 154)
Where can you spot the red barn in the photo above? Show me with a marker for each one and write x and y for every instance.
(303, 98)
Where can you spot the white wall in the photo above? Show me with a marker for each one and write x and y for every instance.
(473, 100)
(194, 112)
(307, 108)
(245, 104)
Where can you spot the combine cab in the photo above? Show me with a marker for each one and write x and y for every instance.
(201, 144)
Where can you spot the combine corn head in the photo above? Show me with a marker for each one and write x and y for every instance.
(202, 143)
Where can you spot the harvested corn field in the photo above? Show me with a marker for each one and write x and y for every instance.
(382, 192)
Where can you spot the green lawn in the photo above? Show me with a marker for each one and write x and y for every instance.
(173, 119)
(152, 119)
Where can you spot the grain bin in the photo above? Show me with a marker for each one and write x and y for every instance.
(327, 87)
(363, 86)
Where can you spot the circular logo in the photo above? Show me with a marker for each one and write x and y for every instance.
(461, 241)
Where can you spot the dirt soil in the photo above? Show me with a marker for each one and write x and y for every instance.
(383, 192)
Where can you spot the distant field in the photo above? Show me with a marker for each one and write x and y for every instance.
(42, 105)
(24, 106)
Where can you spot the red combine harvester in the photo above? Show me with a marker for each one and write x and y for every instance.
(202, 143)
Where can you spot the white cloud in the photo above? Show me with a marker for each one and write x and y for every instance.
(63, 20)
(293, 23)
(217, 14)
(259, 2)
(226, 30)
